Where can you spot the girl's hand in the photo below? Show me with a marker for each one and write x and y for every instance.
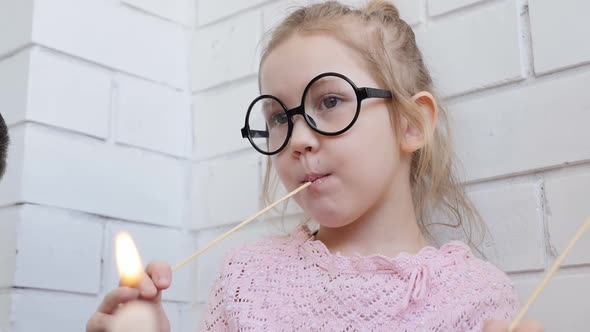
(157, 277)
(502, 326)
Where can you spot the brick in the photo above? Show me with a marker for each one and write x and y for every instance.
(562, 306)
(182, 11)
(485, 49)
(8, 244)
(60, 242)
(557, 46)
(152, 116)
(5, 311)
(218, 116)
(16, 23)
(93, 177)
(14, 80)
(212, 10)
(510, 131)
(36, 85)
(131, 41)
(211, 262)
(438, 7)
(567, 208)
(214, 50)
(225, 191)
(514, 217)
(154, 244)
(41, 311)
(173, 311)
(69, 94)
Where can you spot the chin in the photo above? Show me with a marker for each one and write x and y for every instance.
(330, 219)
(327, 212)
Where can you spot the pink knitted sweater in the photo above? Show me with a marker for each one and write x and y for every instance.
(293, 283)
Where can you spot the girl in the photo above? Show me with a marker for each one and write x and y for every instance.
(346, 104)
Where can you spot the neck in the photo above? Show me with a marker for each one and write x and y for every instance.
(388, 228)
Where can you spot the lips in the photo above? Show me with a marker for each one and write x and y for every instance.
(313, 177)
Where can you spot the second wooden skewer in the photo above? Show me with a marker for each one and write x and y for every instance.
(549, 274)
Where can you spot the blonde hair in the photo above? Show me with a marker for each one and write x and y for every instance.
(390, 52)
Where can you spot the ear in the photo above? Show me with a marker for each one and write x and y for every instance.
(414, 138)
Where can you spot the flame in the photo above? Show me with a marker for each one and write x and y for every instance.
(128, 260)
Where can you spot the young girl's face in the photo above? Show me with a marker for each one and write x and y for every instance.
(357, 172)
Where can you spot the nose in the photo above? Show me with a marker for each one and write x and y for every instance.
(303, 138)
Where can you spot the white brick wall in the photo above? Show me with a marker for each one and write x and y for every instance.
(567, 196)
(211, 10)
(16, 26)
(42, 310)
(13, 87)
(115, 36)
(79, 251)
(226, 190)
(125, 115)
(215, 47)
(218, 117)
(491, 141)
(563, 305)
(438, 7)
(514, 215)
(558, 32)
(98, 101)
(151, 116)
(481, 56)
(84, 171)
(60, 88)
(182, 11)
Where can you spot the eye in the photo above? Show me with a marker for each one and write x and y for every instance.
(329, 102)
(278, 118)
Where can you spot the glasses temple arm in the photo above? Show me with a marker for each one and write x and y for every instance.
(254, 133)
(375, 93)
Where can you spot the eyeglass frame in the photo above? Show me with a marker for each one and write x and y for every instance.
(361, 94)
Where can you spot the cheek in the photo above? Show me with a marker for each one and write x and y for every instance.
(373, 136)
(282, 167)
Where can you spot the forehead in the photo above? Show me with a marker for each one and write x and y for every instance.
(293, 63)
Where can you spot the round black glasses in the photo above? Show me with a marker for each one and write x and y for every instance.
(330, 105)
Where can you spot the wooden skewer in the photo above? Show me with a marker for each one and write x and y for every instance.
(549, 274)
(237, 227)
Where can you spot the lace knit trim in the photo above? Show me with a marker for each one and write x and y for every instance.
(450, 253)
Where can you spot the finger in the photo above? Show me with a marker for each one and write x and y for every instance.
(99, 322)
(111, 301)
(147, 288)
(160, 273)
